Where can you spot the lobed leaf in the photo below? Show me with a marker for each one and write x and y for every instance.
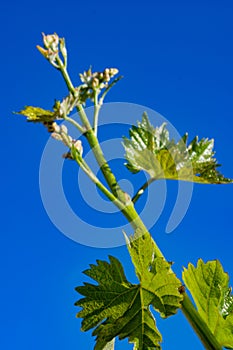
(151, 149)
(209, 286)
(159, 283)
(115, 307)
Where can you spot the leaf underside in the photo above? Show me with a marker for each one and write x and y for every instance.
(151, 149)
(115, 307)
(209, 286)
(110, 345)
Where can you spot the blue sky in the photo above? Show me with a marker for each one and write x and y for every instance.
(176, 58)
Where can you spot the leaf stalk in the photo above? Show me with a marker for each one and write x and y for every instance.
(198, 324)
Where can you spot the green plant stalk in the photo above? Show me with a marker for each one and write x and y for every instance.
(128, 210)
(92, 139)
(96, 113)
(197, 323)
(101, 100)
(142, 189)
(84, 166)
(76, 124)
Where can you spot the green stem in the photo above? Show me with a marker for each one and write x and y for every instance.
(84, 166)
(65, 75)
(96, 113)
(142, 189)
(128, 210)
(105, 168)
(76, 124)
(108, 89)
(92, 139)
(198, 324)
(72, 90)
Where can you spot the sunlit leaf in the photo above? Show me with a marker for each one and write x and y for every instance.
(60, 110)
(155, 275)
(115, 307)
(37, 114)
(152, 150)
(209, 286)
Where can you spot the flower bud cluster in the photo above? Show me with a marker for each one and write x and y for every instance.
(52, 46)
(60, 133)
(51, 41)
(78, 145)
(95, 81)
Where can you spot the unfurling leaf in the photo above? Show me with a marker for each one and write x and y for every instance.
(115, 307)
(151, 149)
(209, 286)
(37, 114)
(60, 110)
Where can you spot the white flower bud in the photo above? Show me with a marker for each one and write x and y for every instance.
(113, 71)
(78, 146)
(63, 47)
(64, 129)
(56, 127)
(56, 136)
(95, 83)
(51, 41)
(103, 85)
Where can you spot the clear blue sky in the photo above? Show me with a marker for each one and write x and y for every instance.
(176, 58)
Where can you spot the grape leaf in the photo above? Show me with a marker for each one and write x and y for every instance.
(37, 114)
(209, 286)
(115, 307)
(142, 252)
(60, 110)
(151, 149)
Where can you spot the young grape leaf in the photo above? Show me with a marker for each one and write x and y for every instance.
(209, 286)
(151, 149)
(60, 110)
(37, 114)
(115, 307)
